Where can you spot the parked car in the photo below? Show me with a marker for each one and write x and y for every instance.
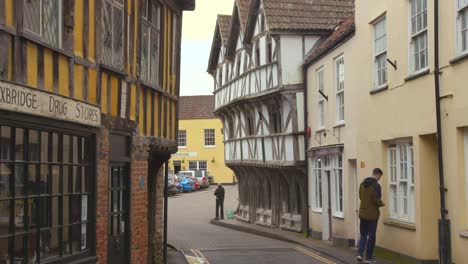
(210, 178)
(171, 188)
(187, 184)
(196, 184)
(202, 179)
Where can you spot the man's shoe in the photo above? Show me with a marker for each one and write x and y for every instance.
(359, 258)
(370, 260)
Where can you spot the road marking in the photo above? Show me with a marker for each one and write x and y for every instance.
(202, 256)
(311, 254)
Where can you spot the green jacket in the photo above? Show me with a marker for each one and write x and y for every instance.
(219, 192)
(370, 194)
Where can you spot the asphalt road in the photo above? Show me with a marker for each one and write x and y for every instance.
(189, 230)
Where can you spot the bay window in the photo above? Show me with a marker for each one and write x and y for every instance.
(337, 185)
(317, 186)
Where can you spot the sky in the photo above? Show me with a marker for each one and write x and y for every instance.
(197, 34)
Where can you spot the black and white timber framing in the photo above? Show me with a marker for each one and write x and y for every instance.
(259, 96)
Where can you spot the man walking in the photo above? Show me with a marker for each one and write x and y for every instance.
(219, 193)
(370, 194)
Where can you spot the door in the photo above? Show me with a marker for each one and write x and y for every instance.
(177, 167)
(118, 214)
(327, 209)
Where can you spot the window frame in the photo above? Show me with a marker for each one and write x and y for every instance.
(197, 162)
(395, 162)
(378, 55)
(461, 11)
(211, 136)
(340, 92)
(416, 35)
(114, 60)
(320, 75)
(337, 174)
(179, 138)
(317, 191)
(146, 20)
(39, 36)
(466, 171)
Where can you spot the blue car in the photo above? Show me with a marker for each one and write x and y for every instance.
(187, 184)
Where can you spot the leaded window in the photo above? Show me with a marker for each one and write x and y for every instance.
(401, 183)
(340, 86)
(112, 33)
(182, 138)
(45, 195)
(210, 138)
(418, 34)
(380, 53)
(150, 34)
(43, 18)
(462, 15)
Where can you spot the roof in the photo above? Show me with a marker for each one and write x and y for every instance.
(306, 14)
(196, 107)
(340, 35)
(243, 6)
(224, 23)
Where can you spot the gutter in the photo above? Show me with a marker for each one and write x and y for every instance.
(445, 251)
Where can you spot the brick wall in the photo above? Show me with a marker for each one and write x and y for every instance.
(139, 213)
(102, 210)
(159, 210)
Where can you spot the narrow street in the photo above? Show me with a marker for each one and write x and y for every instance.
(189, 230)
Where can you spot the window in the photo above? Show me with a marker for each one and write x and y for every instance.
(45, 187)
(238, 64)
(150, 32)
(462, 17)
(182, 138)
(198, 165)
(401, 183)
(340, 85)
(466, 170)
(317, 181)
(43, 18)
(257, 53)
(250, 119)
(269, 51)
(321, 99)
(220, 77)
(418, 34)
(210, 138)
(112, 33)
(337, 178)
(380, 53)
(246, 61)
(274, 115)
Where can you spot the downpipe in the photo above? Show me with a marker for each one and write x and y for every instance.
(306, 145)
(445, 250)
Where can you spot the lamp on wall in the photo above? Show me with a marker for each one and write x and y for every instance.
(213, 160)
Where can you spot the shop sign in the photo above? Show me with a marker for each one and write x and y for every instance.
(185, 154)
(26, 100)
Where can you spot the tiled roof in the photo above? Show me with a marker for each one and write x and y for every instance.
(224, 22)
(196, 107)
(341, 33)
(243, 6)
(306, 14)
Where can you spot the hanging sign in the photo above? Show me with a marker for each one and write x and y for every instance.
(185, 154)
(17, 98)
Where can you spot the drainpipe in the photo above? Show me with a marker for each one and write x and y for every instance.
(445, 254)
(166, 176)
(306, 144)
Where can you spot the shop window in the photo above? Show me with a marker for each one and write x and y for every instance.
(210, 138)
(45, 187)
(182, 138)
(317, 189)
(112, 33)
(150, 32)
(337, 184)
(43, 18)
(401, 182)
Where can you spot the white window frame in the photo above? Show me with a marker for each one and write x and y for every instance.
(40, 34)
(380, 53)
(320, 76)
(340, 89)
(400, 157)
(198, 164)
(179, 137)
(337, 174)
(461, 10)
(317, 192)
(466, 171)
(209, 135)
(423, 32)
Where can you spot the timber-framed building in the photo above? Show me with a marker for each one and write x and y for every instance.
(88, 107)
(259, 96)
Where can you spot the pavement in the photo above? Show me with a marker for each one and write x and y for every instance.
(201, 240)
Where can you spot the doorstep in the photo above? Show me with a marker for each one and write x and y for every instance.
(343, 255)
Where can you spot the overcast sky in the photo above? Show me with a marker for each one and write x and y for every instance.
(197, 35)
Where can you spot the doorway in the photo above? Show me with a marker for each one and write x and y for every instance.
(118, 214)
(177, 166)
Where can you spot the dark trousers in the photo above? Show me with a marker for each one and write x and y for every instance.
(219, 207)
(368, 235)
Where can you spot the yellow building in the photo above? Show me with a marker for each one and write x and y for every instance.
(390, 122)
(201, 140)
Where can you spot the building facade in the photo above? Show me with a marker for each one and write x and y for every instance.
(200, 140)
(390, 113)
(88, 110)
(259, 96)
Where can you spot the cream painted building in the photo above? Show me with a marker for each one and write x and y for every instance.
(390, 122)
(200, 140)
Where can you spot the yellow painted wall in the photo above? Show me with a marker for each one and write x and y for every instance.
(63, 83)
(48, 75)
(195, 143)
(78, 86)
(31, 53)
(78, 28)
